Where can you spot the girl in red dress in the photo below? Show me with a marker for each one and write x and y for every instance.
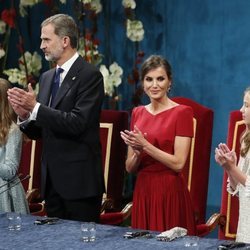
(158, 147)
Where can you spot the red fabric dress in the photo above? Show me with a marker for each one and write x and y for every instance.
(161, 199)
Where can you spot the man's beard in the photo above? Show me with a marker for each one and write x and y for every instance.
(49, 58)
(53, 57)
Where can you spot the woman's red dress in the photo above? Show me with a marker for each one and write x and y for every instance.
(161, 199)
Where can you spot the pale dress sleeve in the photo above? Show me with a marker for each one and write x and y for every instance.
(230, 190)
(235, 191)
(245, 168)
(11, 153)
(247, 187)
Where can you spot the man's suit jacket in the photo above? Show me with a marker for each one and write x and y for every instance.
(70, 131)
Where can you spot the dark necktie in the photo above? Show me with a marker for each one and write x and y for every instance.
(56, 84)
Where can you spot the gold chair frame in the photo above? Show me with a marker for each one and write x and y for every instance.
(229, 196)
(191, 160)
(108, 126)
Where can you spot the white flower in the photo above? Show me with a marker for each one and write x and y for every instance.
(115, 69)
(112, 78)
(107, 85)
(95, 5)
(2, 27)
(34, 63)
(2, 53)
(63, 1)
(29, 2)
(23, 11)
(129, 4)
(26, 3)
(89, 50)
(135, 31)
(115, 80)
(104, 71)
(86, 1)
(16, 76)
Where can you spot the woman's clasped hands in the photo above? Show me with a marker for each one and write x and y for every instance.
(135, 139)
(225, 157)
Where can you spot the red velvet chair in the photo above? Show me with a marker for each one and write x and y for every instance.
(196, 169)
(30, 164)
(229, 203)
(113, 155)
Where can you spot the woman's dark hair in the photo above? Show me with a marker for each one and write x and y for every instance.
(154, 62)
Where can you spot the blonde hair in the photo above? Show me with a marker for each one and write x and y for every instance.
(245, 138)
(7, 114)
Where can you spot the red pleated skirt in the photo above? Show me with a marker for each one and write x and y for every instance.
(161, 201)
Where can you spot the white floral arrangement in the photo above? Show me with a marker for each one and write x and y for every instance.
(2, 27)
(134, 28)
(95, 5)
(135, 31)
(112, 77)
(29, 3)
(129, 4)
(34, 65)
(89, 50)
(2, 31)
(2, 53)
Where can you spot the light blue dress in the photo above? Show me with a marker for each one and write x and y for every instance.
(13, 199)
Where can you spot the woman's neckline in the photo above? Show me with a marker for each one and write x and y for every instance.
(147, 108)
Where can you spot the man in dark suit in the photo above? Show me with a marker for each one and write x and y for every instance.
(72, 177)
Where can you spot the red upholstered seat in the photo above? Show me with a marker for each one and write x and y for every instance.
(113, 154)
(30, 164)
(229, 203)
(117, 218)
(196, 169)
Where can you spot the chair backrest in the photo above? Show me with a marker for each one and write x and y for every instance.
(113, 153)
(30, 164)
(196, 170)
(113, 157)
(229, 203)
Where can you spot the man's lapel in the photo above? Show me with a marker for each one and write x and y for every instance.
(45, 88)
(68, 81)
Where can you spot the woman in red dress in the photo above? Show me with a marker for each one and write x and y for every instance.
(158, 147)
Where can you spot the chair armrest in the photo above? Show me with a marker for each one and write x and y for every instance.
(33, 195)
(127, 210)
(107, 204)
(215, 220)
(37, 208)
(116, 218)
